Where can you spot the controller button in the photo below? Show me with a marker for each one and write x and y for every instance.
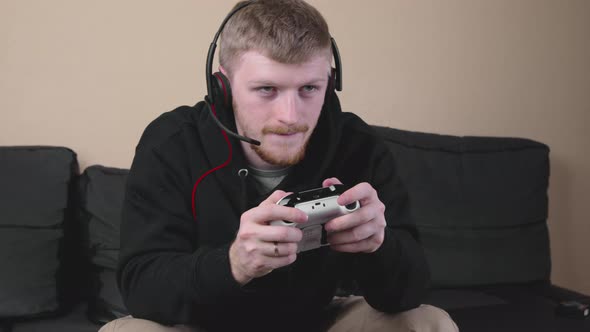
(351, 206)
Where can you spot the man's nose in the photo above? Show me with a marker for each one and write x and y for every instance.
(287, 112)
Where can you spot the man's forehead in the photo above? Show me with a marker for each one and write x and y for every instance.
(258, 67)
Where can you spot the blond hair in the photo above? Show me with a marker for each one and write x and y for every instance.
(286, 31)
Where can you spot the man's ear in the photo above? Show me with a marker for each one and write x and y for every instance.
(223, 71)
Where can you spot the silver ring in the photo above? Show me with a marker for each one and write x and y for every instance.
(276, 249)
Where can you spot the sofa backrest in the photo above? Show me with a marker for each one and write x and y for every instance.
(101, 194)
(35, 201)
(480, 204)
(59, 234)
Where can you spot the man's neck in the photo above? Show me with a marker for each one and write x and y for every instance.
(255, 161)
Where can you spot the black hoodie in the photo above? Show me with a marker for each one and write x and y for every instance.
(174, 268)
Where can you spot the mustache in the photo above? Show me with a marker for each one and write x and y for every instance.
(285, 130)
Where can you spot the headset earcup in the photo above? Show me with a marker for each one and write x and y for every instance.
(331, 83)
(222, 96)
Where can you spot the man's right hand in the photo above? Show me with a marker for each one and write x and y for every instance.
(260, 248)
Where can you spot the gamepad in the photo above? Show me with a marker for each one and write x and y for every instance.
(320, 206)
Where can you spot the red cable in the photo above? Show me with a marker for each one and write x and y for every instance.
(211, 170)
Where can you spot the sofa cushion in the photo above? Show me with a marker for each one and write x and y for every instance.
(34, 208)
(480, 204)
(102, 190)
(514, 307)
(74, 321)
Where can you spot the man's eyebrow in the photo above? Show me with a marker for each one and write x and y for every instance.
(271, 83)
(261, 82)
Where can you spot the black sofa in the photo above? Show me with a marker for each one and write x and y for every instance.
(480, 204)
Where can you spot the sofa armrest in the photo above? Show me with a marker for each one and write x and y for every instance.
(560, 294)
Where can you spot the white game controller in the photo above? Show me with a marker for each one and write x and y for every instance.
(320, 206)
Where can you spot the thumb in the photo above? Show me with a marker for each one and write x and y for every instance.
(330, 181)
(276, 196)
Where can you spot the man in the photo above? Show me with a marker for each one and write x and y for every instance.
(198, 251)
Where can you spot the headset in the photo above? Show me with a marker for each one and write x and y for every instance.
(219, 89)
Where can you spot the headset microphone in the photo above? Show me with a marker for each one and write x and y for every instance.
(231, 133)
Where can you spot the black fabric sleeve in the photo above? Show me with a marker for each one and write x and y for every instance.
(161, 272)
(395, 277)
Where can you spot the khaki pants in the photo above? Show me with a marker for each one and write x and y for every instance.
(350, 314)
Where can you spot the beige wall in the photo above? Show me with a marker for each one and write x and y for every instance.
(90, 75)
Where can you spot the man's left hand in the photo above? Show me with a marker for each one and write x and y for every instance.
(364, 229)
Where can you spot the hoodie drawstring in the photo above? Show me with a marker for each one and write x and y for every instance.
(243, 173)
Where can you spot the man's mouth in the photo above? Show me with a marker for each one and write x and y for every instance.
(287, 134)
(285, 131)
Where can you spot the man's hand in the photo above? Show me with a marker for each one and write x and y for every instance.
(364, 229)
(259, 248)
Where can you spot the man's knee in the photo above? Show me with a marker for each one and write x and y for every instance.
(427, 318)
(355, 314)
(130, 324)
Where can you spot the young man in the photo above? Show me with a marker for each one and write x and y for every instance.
(198, 251)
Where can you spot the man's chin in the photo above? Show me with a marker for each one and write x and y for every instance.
(282, 158)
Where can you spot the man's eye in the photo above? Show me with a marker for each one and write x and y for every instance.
(309, 88)
(266, 89)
